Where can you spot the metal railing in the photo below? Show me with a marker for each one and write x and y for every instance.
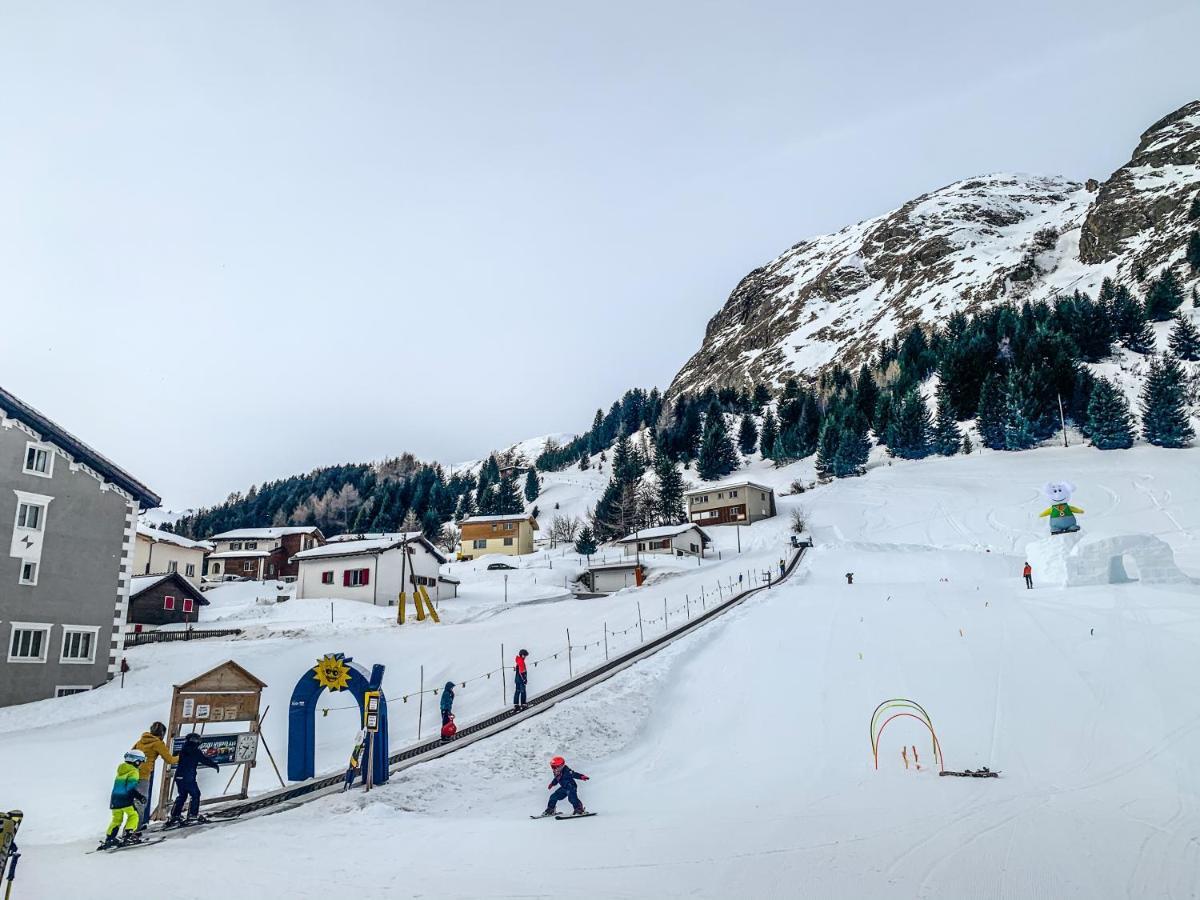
(136, 639)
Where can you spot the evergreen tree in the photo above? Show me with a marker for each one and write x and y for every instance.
(747, 435)
(1142, 340)
(1020, 413)
(967, 447)
(760, 398)
(1185, 339)
(866, 393)
(991, 412)
(827, 447)
(854, 447)
(1164, 297)
(947, 438)
(585, 461)
(533, 485)
(411, 523)
(717, 456)
(1164, 405)
(911, 430)
(431, 527)
(1109, 422)
(1193, 251)
(585, 544)
(508, 498)
(770, 433)
(668, 493)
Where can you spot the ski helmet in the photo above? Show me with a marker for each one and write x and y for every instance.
(135, 757)
(557, 762)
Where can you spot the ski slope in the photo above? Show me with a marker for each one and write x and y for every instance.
(737, 762)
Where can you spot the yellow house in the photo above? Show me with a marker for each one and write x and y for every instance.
(510, 535)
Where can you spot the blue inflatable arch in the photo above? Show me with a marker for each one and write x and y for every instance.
(302, 721)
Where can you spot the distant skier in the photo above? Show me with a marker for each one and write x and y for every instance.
(151, 743)
(849, 578)
(447, 703)
(781, 568)
(565, 779)
(520, 681)
(124, 801)
(1028, 573)
(186, 788)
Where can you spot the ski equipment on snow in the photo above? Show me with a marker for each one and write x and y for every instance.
(985, 772)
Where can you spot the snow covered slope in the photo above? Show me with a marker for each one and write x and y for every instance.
(737, 763)
(985, 240)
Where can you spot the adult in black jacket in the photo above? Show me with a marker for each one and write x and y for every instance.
(190, 756)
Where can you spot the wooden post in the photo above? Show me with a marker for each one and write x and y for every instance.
(421, 703)
(666, 615)
(570, 667)
(688, 606)
(503, 680)
(641, 633)
(606, 641)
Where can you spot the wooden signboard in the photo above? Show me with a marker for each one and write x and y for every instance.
(222, 695)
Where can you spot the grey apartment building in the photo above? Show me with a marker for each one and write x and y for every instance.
(68, 518)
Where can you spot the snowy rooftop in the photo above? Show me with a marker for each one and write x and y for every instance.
(233, 554)
(372, 536)
(240, 534)
(370, 545)
(663, 531)
(156, 534)
(139, 583)
(724, 486)
(515, 517)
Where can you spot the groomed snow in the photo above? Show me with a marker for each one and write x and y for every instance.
(736, 763)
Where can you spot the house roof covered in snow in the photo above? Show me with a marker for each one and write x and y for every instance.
(372, 536)
(166, 537)
(515, 517)
(263, 534)
(238, 554)
(139, 584)
(369, 547)
(649, 534)
(623, 564)
(711, 488)
(77, 449)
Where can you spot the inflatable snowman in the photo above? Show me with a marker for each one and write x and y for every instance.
(1061, 512)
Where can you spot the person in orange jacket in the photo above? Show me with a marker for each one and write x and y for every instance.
(520, 680)
(152, 745)
(1028, 573)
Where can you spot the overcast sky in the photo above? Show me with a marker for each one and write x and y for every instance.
(241, 240)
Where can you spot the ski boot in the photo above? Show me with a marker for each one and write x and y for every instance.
(131, 838)
(110, 841)
(196, 820)
(579, 811)
(545, 813)
(173, 822)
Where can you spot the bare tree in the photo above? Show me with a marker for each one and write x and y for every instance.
(564, 529)
(450, 538)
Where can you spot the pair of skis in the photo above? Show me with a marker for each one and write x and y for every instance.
(113, 848)
(566, 817)
(985, 772)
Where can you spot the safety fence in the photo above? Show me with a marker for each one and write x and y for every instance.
(467, 734)
(136, 639)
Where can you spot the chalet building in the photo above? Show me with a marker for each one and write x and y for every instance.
(166, 599)
(604, 578)
(670, 540)
(158, 552)
(69, 518)
(507, 535)
(740, 503)
(374, 570)
(259, 554)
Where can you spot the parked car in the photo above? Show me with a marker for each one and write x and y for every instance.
(492, 567)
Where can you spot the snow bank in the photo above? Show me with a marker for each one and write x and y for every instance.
(1079, 559)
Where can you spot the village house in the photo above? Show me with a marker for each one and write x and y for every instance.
(259, 554)
(157, 552)
(739, 503)
(164, 599)
(68, 517)
(374, 570)
(670, 540)
(604, 578)
(509, 535)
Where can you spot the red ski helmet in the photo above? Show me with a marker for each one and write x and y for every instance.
(557, 761)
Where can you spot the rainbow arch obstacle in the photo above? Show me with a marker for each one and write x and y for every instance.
(899, 708)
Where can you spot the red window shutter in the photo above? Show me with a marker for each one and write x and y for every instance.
(188, 604)
(366, 576)
(346, 578)
(168, 602)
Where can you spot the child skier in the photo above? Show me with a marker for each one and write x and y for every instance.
(565, 778)
(122, 802)
(186, 788)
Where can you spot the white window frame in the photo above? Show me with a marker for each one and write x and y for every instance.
(248, 566)
(190, 570)
(171, 606)
(327, 576)
(44, 448)
(70, 689)
(21, 579)
(68, 630)
(44, 627)
(479, 544)
(356, 576)
(24, 504)
(172, 567)
(189, 606)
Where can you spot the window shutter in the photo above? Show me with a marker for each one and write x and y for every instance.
(346, 578)
(188, 604)
(168, 602)
(366, 576)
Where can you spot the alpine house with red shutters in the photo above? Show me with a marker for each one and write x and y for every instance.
(373, 569)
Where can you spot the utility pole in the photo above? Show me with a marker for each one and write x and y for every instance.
(1062, 419)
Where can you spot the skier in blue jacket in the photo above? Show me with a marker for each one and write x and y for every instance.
(190, 756)
(565, 779)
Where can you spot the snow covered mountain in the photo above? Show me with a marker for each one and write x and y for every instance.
(986, 240)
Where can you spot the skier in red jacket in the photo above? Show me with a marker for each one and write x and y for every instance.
(520, 680)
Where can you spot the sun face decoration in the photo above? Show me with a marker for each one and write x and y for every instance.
(332, 673)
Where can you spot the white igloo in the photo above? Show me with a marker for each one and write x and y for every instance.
(1082, 559)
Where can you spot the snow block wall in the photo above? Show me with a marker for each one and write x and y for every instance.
(1080, 559)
